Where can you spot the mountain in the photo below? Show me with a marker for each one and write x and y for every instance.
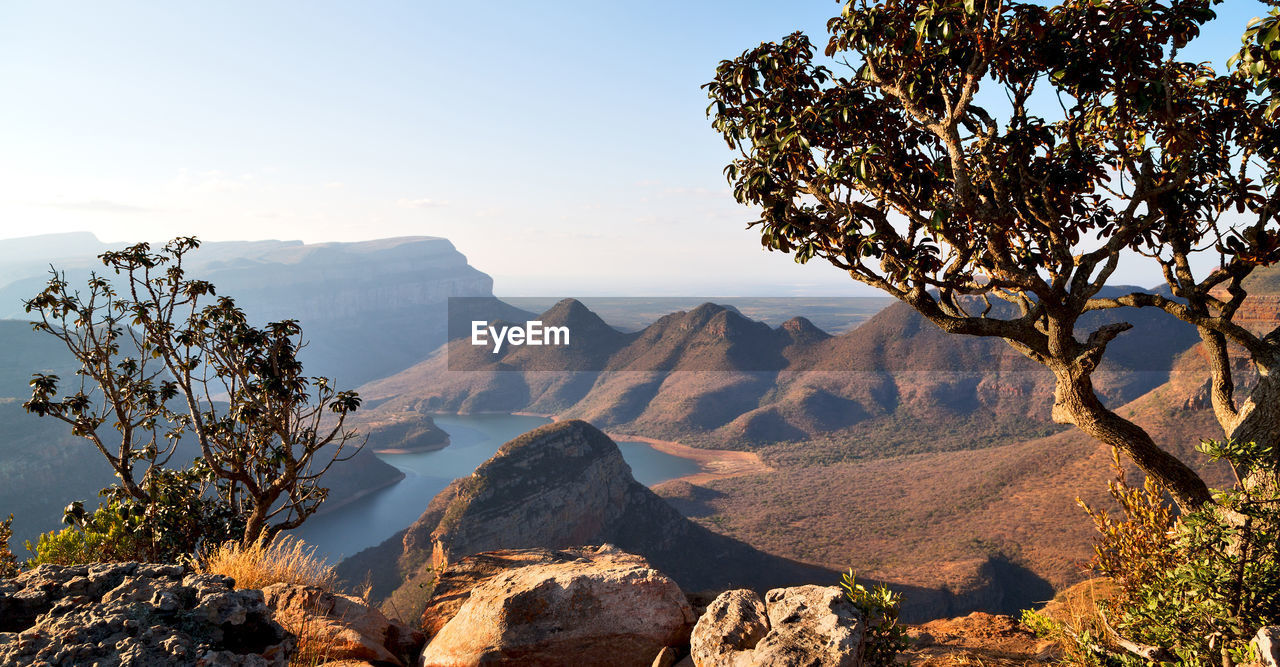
(715, 378)
(566, 484)
(368, 309)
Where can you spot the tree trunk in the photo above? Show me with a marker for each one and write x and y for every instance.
(1075, 402)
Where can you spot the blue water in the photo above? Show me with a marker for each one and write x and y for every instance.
(472, 440)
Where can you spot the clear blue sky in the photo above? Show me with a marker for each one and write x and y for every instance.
(562, 146)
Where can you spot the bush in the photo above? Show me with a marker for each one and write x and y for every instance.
(8, 563)
(172, 526)
(886, 637)
(285, 559)
(1192, 589)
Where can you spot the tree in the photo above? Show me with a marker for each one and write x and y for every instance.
(888, 167)
(165, 360)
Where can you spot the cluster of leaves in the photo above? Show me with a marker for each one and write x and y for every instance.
(8, 563)
(1195, 588)
(178, 519)
(886, 637)
(1259, 58)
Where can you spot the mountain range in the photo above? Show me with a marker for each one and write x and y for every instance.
(913, 456)
(367, 309)
(908, 454)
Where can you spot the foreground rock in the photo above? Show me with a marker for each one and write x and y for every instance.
(799, 626)
(112, 614)
(1267, 643)
(341, 626)
(582, 606)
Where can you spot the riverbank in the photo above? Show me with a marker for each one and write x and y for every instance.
(714, 463)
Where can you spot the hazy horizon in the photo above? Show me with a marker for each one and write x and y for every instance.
(563, 148)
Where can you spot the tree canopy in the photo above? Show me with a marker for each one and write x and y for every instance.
(916, 154)
(165, 360)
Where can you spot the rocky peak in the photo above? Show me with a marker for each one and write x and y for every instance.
(559, 485)
(800, 331)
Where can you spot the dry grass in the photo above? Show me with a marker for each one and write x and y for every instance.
(1075, 613)
(316, 643)
(285, 559)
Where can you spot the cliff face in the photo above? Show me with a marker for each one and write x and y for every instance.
(368, 309)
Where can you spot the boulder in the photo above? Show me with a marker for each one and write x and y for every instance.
(111, 614)
(344, 627)
(734, 622)
(666, 658)
(1267, 642)
(454, 584)
(581, 606)
(798, 626)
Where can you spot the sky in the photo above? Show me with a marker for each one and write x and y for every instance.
(562, 146)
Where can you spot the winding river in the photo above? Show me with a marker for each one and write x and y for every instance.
(472, 440)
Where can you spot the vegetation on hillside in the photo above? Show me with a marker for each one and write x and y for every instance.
(1192, 589)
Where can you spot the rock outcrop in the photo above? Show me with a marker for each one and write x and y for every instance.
(581, 607)
(1267, 643)
(558, 486)
(343, 626)
(111, 614)
(799, 626)
(734, 622)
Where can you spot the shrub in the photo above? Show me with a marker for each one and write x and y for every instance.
(8, 563)
(886, 637)
(164, 360)
(285, 559)
(171, 526)
(1192, 589)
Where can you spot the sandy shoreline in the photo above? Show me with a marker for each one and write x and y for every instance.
(714, 463)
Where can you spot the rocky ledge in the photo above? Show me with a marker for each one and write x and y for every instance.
(111, 614)
(602, 606)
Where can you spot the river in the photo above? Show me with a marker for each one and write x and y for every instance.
(472, 440)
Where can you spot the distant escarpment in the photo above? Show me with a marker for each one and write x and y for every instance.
(566, 484)
(368, 309)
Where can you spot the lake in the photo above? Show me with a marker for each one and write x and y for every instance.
(472, 440)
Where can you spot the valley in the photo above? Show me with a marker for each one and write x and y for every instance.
(911, 456)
